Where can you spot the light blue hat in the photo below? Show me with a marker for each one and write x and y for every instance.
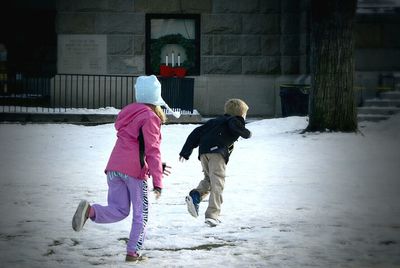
(148, 90)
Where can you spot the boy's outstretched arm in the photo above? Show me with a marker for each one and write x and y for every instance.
(192, 142)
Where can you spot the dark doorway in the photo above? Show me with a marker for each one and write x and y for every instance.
(29, 36)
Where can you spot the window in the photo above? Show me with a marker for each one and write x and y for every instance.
(173, 40)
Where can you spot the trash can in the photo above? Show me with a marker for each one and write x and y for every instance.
(294, 99)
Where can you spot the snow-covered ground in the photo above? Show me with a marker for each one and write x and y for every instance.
(291, 200)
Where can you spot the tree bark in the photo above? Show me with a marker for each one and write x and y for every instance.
(332, 104)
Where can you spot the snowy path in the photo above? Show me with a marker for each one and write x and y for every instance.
(291, 200)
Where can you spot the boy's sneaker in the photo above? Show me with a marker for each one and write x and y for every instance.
(81, 215)
(192, 202)
(135, 258)
(212, 222)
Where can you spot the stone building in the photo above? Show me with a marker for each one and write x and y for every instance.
(245, 48)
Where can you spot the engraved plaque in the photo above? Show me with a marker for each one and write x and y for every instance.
(82, 54)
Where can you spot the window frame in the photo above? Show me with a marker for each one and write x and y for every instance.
(148, 31)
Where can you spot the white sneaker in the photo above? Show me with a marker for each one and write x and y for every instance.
(212, 222)
(81, 215)
(192, 208)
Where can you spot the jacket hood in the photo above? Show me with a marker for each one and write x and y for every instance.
(128, 113)
(148, 90)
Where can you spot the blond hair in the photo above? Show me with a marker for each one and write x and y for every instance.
(159, 112)
(235, 107)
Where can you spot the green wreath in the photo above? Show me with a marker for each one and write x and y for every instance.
(158, 44)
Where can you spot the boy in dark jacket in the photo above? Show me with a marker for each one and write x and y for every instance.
(215, 140)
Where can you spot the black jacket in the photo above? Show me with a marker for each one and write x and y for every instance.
(216, 136)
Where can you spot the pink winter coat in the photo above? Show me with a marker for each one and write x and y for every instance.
(125, 157)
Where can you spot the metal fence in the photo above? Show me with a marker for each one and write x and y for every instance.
(18, 93)
(64, 91)
(178, 92)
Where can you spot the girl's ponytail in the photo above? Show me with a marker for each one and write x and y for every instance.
(159, 112)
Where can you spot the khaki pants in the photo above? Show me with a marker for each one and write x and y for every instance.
(213, 182)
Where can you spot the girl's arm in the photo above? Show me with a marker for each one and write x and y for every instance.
(152, 141)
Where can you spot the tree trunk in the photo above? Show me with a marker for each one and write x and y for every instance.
(332, 104)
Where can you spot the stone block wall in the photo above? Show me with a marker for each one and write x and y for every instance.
(377, 40)
(254, 38)
(248, 47)
(238, 37)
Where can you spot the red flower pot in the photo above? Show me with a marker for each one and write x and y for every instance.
(180, 71)
(166, 71)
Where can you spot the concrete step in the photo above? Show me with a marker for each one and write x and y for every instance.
(382, 103)
(378, 110)
(372, 117)
(391, 95)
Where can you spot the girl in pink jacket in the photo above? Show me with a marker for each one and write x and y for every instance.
(135, 157)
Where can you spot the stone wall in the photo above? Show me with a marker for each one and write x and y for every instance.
(377, 42)
(245, 45)
(122, 27)
(237, 37)
(248, 47)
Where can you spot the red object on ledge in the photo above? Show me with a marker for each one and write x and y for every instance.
(180, 71)
(168, 71)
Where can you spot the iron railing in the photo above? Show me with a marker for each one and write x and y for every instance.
(64, 91)
(178, 92)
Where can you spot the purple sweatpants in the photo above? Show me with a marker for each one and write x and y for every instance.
(122, 191)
